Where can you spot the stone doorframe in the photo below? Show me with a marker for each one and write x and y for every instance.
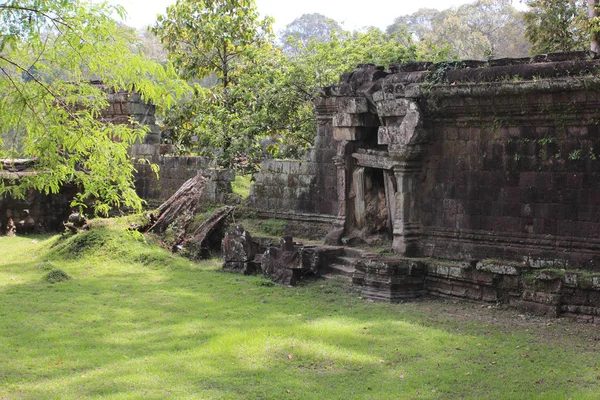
(398, 123)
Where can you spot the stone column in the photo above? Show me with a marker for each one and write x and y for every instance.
(405, 137)
(359, 200)
(407, 217)
(342, 163)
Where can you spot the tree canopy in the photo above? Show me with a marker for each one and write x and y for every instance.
(49, 111)
(306, 28)
(266, 107)
(205, 36)
(557, 25)
(480, 30)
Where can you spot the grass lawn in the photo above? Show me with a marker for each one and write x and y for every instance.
(136, 322)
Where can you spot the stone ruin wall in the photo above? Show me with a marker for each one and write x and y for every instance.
(303, 192)
(47, 210)
(510, 170)
(491, 164)
(124, 106)
(471, 161)
(175, 171)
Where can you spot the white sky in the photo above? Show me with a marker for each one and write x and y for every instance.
(352, 14)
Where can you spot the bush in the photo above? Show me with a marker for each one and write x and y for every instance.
(273, 227)
(56, 276)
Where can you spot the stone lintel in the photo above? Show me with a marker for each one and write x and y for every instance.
(349, 120)
(373, 160)
(347, 133)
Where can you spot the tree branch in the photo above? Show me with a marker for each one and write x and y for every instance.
(33, 10)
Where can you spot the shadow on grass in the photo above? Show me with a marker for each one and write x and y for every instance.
(141, 332)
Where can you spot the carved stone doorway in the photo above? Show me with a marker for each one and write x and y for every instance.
(372, 195)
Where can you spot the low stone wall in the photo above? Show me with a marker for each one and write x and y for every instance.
(548, 292)
(173, 172)
(525, 286)
(284, 186)
(302, 191)
(46, 212)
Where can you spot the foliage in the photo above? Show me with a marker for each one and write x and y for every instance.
(273, 227)
(205, 36)
(56, 276)
(138, 322)
(50, 112)
(241, 185)
(419, 23)
(556, 25)
(480, 30)
(307, 28)
(149, 45)
(268, 110)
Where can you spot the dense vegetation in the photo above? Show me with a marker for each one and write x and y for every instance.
(49, 51)
(134, 321)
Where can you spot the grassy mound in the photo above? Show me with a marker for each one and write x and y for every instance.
(56, 276)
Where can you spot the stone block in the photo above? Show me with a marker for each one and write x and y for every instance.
(393, 108)
(489, 294)
(545, 310)
(541, 297)
(494, 268)
(570, 279)
(352, 105)
(347, 133)
(458, 273)
(439, 270)
(349, 120)
(438, 286)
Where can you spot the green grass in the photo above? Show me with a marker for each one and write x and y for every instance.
(241, 185)
(136, 322)
(273, 227)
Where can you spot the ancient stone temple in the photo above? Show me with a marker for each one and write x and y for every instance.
(456, 160)
(483, 177)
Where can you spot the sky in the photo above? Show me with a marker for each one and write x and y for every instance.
(352, 14)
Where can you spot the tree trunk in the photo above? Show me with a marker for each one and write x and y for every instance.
(592, 14)
(181, 207)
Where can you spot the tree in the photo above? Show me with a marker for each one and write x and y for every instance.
(306, 28)
(556, 25)
(206, 36)
(149, 45)
(270, 110)
(49, 50)
(417, 24)
(480, 30)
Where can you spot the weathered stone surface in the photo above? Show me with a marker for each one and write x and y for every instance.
(283, 265)
(495, 268)
(239, 251)
(389, 279)
(352, 105)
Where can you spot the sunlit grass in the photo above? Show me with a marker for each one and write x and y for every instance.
(241, 185)
(138, 322)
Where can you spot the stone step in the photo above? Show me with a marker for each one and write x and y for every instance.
(345, 260)
(338, 269)
(353, 252)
